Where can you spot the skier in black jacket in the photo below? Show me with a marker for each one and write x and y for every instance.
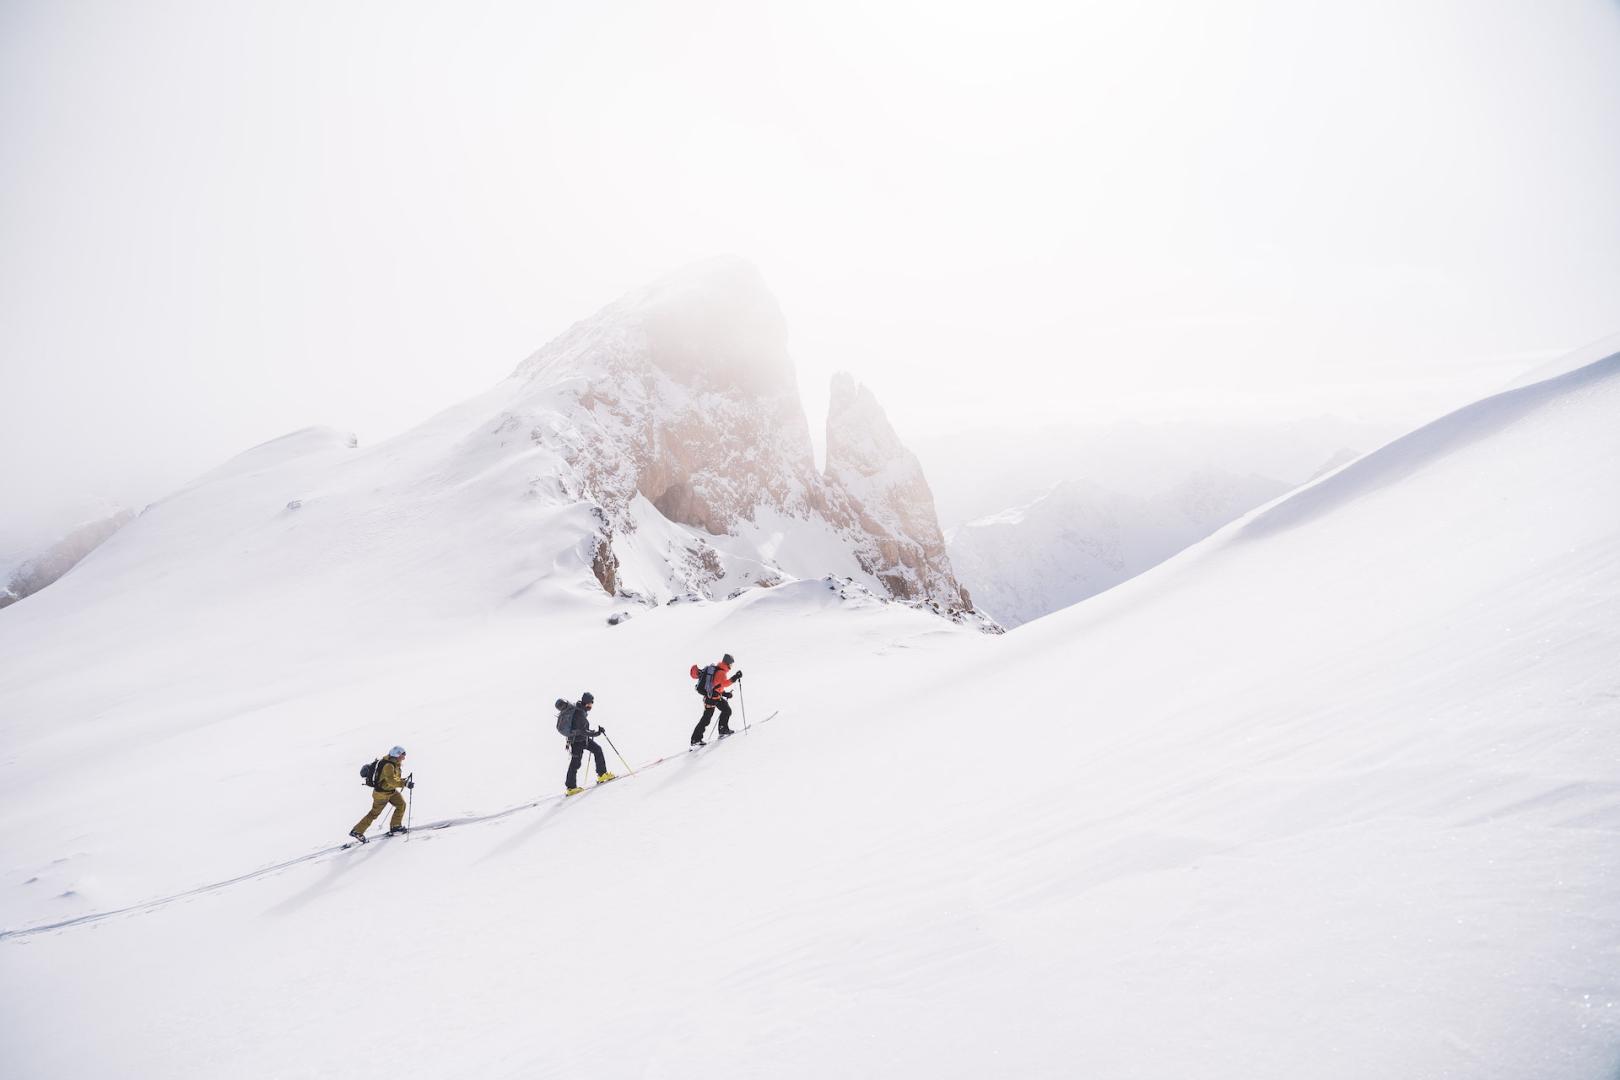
(575, 722)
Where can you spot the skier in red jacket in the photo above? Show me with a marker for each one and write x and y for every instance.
(714, 683)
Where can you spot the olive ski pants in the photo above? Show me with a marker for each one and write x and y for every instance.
(380, 799)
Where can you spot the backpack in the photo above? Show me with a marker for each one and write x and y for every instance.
(705, 679)
(565, 718)
(371, 773)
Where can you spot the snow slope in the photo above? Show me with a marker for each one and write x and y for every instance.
(1332, 794)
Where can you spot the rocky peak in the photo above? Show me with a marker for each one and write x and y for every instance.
(683, 393)
(888, 496)
(690, 400)
(717, 326)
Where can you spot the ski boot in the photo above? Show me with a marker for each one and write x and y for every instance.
(605, 777)
(574, 791)
(726, 731)
(357, 836)
(697, 744)
(399, 831)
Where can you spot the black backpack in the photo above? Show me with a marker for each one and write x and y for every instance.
(705, 679)
(371, 773)
(565, 718)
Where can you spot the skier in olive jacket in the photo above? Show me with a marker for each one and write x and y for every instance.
(385, 791)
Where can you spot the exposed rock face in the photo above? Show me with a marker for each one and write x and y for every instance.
(46, 567)
(888, 498)
(691, 400)
(683, 394)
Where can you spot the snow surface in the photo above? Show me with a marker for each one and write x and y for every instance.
(1333, 794)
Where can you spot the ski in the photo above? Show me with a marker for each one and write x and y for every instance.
(594, 786)
(434, 827)
(705, 745)
(718, 739)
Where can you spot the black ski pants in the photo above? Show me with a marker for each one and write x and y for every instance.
(577, 747)
(709, 705)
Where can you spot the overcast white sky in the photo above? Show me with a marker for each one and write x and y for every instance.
(222, 221)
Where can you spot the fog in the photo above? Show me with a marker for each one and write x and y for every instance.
(224, 221)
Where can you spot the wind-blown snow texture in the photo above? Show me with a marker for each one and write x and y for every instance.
(1334, 794)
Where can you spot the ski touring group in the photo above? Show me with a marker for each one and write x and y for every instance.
(387, 779)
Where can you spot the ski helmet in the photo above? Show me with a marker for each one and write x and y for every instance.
(398, 751)
(587, 697)
(727, 660)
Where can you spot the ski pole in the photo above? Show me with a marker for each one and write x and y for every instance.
(742, 703)
(627, 769)
(410, 804)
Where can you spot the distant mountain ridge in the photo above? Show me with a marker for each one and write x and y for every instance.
(48, 566)
(1080, 539)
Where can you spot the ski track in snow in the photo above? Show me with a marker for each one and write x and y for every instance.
(314, 856)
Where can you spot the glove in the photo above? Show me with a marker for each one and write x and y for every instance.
(727, 694)
(737, 677)
(410, 783)
(600, 731)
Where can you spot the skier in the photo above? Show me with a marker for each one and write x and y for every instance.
(386, 782)
(574, 723)
(713, 683)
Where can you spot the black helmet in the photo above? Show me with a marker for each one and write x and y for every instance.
(727, 660)
(561, 704)
(586, 698)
